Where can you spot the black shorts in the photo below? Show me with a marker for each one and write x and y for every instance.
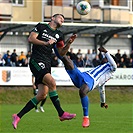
(39, 69)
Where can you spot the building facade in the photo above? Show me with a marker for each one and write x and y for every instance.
(103, 11)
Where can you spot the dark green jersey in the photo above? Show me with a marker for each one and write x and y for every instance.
(45, 33)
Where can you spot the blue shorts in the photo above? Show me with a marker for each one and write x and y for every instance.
(79, 78)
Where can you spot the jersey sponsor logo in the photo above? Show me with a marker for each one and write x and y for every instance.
(45, 31)
(42, 65)
(48, 37)
(57, 36)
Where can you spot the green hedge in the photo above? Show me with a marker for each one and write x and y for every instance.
(20, 95)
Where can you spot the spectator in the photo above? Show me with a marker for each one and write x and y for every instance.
(22, 58)
(89, 55)
(130, 64)
(80, 62)
(28, 56)
(122, 64)
(79, 54)
(93, 54)
(13, 57)
(6, 54)
(72, 55)
(17, 63)
(96, 61)
(124, 56)
(88, 62)
(2, 61)
(127, 61)
(8, 61)
(118, 56)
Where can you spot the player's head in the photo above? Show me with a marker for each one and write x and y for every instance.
(58, 19)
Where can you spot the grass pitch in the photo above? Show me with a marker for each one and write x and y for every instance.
(116, 119)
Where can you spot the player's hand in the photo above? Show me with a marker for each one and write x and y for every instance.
(72, 38)
(104, 105)
(102, 49)
(34, 86)
(51, 41)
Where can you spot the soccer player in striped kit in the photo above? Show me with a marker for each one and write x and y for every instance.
(88, 80)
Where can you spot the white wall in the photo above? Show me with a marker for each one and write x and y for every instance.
(112, 45)
(20, 43)
(123, 44)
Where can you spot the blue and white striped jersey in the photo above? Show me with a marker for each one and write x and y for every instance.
(102, 73)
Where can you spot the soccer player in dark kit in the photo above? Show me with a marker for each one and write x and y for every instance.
(44, 37)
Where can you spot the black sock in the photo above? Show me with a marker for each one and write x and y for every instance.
(55, 100)
(35, 107)
(43, 101)
(30, 105)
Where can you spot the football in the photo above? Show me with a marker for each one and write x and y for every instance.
(83, 7)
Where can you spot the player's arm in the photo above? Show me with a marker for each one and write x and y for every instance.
(63, 48)
(102, 96)
(33, 39)
(34, 34)
(109, 57)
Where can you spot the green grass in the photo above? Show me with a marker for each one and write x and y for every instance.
(116, 119)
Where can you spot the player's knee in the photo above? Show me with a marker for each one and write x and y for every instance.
(82, 93)
(41, 96)
(52, 85)
(83, 90)
(50, 82)
(44, 96)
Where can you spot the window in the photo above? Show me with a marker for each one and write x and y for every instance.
(18, 2)
(107, 2)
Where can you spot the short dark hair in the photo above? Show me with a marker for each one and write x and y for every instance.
(58, 14)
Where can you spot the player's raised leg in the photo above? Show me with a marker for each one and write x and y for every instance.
(85, 105)
(68, 63)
